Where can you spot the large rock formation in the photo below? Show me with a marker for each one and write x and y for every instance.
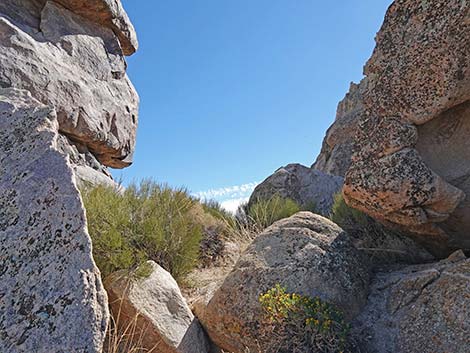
(307, 254)
(308, 187)
(76, 66)
(409, 308)
(106, 13)
(51, 296)
(164, 322)
(410, 115)
(67, 111)
(421, 308)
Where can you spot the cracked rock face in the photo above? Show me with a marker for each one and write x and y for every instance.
(306, 253)
(410, 165)
(51, 295)
(423, 308)
(74, 63)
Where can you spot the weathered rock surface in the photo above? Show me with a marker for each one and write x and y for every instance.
(338, 145)
(51, 295)
(444, 145)
(109, 13)
(164, 321)
(67, 110)
(306, 253)
(304, 185)
(401, 189)
(419, 73)
(76, 66)
(89, 177)
(421, 308)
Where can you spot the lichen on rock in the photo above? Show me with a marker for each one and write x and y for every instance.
(51, 295)
(421, 308)
(418, 72)
(67, 112)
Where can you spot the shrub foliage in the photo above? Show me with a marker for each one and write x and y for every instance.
(296, 323)
(216, 210)
(143, 222)
(263, 213)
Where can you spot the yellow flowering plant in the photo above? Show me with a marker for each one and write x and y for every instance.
(301, 323)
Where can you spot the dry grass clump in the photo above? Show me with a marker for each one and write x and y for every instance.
(125, 338)
(125, 335)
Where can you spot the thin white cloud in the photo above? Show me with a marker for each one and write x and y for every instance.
(229, 197)
(233, 204)
(227, 192)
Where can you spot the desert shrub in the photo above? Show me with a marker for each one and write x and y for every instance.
(216, 210)
(221, 225)
(242, 212)
(143, 222)
(294, 323)
(265, 212)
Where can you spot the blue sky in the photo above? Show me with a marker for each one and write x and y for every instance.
(233, 89)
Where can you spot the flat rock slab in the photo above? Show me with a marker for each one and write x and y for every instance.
(51, 296)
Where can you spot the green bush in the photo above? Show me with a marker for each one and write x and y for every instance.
(296, 323)
(216, 210)
(144, 222)
(265, 212)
